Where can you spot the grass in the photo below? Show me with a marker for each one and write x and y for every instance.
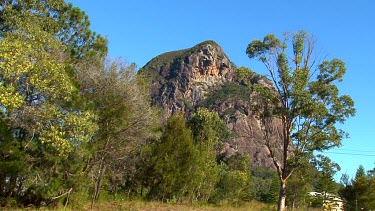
(136, 205)
(158, 206)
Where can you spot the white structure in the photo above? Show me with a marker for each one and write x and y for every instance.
(337, 204)
(330, 201)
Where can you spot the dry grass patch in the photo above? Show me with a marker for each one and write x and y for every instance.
(134, 205)
(157, 206)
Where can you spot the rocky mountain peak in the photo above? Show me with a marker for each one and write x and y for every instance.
(180, 79)
(209, 60)
(203, 76)
(206, 59)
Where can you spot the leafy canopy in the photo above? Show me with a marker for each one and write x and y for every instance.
(34, 82)
(304, 98)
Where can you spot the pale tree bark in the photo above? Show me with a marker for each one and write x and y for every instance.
(272, 135)
(282, 197)
(98, 184)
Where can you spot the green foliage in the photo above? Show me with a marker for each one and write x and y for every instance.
(359, 192)
(67, 23)
(44, 123)
(165, 58)
(74, 32)
(208, 128)
(360, 172)
(307, 102)
(234, 184)
(299, 185)
(208, 132)
(327, 169)
(229, 90)
(363, 186)
(34, 92)
(125, 119)
(69, 120)
(246, 75)
(264, 184)
(184, 163)
(175, 161)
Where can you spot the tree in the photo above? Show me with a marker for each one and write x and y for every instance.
(359, 192)
(124, 115)
(67, 23)
(361, 185)
(234, 181)
(327, 169)
(44, 122)
(303, 97)
(264, 184)
(299, 184)
(184, 162)
(347, 193)
(371, 194)
(208, 132)
(175, 161)
(39, 128)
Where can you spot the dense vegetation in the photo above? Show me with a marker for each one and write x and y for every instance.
(229, 90)
(76, 127)
(358, 192)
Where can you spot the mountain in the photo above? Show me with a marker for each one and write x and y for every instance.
(203, 76)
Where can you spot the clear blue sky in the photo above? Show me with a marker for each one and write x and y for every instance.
(139, 30)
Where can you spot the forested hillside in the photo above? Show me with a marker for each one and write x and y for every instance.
(190, 127)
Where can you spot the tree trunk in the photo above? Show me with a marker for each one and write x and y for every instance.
(102, 168)
(293, 204)
(98, 184)
(67, 197)
(2, 184)
(282, 196)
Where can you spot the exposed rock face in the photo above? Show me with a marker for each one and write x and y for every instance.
(203, 76)
(180, 79)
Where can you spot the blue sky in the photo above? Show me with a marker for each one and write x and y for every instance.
(139, 30)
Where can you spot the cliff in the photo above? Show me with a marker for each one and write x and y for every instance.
(203, 76)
